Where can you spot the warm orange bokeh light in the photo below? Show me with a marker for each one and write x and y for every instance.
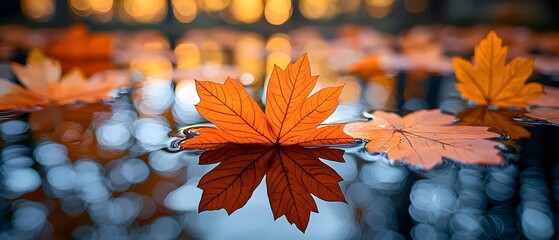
(248, 54)
(318, 9)
(277, 12)
(101, 6)
(187, 55)
(185, 11)
(247, 11)
(152, 11)
(38, 10)
(213, 5)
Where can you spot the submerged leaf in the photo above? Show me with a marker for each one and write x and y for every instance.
(422, 138)
(490, 81)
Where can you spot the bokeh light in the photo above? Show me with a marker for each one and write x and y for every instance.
(185, 11)
(145, 11)
(277, 12)
(113, 170)
(38, 10)
(247, 11)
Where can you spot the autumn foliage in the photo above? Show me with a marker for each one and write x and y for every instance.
(249, 144)
(290, 118)
(492, 82)
(424, 137)
(80, 48)
(46, 85)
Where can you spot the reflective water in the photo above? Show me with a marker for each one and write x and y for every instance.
(109, 171)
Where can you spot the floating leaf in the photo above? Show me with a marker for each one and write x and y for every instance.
(292, 173)
(422, 138)
(490, 81)
(290, 118)
(46, 85)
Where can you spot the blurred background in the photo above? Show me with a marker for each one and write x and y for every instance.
(109, 170)
(270, 16)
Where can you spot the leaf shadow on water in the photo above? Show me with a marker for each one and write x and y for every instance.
(500, 121)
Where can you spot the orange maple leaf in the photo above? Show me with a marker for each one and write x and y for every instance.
(491, 82)
(422, 138)
(46, 85)
(293, 173)
(290, 117)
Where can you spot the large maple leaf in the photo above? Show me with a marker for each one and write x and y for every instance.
(292, 173)
(249, 143)
(290, 118)
(490, 81)
(422, 138)
(45, 85)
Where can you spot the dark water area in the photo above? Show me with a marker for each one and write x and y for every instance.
(109, 171)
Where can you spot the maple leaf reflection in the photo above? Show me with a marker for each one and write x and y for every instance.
(499, 121)
(292, 173)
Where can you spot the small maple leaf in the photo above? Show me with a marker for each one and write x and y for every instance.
(293, 173)
(46, 85)
(491, 82)
(290, 117)
(498, 120)
(422, 138)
